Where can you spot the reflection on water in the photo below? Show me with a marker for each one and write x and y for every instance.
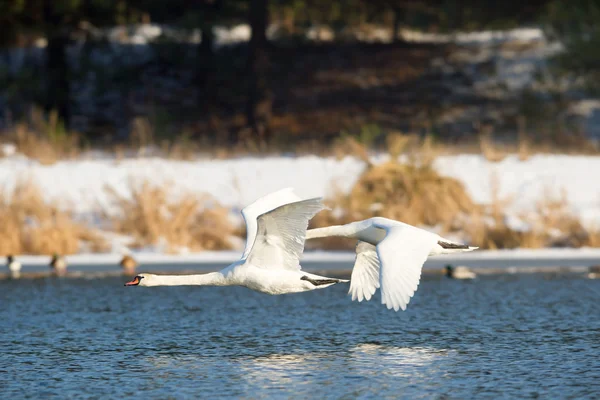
(500, 336)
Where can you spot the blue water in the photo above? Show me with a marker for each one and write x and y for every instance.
(503, 336)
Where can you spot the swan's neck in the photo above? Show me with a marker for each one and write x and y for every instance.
(210, 279)
(335, 230)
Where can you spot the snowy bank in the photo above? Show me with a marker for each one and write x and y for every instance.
(81, 185)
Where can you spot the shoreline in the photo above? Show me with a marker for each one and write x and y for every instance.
(326, 262)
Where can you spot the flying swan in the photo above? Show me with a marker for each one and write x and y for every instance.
(276, 227)
(389, 256)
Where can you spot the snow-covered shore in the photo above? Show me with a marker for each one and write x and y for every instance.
(81, 185)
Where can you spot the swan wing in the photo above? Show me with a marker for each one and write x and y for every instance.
(262, 205)
(402, 253)
(281, 234)
(365, 274)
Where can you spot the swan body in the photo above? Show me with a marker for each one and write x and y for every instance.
(389, 256)
(460, 272)
(276, 228)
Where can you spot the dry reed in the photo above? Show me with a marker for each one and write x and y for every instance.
(45, 140)
(410, 190)
(29, 225)
(152, 216)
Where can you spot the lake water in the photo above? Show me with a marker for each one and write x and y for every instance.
(501, 336)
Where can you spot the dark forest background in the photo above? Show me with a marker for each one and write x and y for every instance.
(277, 89)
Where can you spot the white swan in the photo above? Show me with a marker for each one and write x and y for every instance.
(276, 228)
(389, 256)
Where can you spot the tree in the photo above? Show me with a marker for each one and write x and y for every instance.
(57, 32)
(577, 26)
(258, 102)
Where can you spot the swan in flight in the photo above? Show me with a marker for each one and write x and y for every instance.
(276, 227)
(389, 256)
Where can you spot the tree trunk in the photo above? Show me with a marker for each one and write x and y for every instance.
(57, 69)
(206, 56)
(258, 104)
(398, 18)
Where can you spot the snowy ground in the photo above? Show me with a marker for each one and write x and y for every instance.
(81, 184)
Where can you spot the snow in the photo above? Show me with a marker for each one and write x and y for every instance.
(81, 185)
(478, 37)
(525, 183)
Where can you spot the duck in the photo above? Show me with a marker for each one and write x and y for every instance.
(276, 227)
(389, 256)
(58, 265)
(460, 272)
(129, 264)
(14, 267)
(594, 272)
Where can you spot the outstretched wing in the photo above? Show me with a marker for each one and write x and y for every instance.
(261, 206)
(281, 234)
(402, 254)
(365, 274)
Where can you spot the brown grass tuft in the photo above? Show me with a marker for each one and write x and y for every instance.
(28, 225)
(152, 216)
(551, 224)
(45, 140)
(410, 191)
(488, 148)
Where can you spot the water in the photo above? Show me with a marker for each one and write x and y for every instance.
(502, 336)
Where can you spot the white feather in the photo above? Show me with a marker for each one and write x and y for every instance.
(281, 234)
(261, 206)
(365, 274)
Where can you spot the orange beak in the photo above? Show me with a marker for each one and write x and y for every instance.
(134, 282)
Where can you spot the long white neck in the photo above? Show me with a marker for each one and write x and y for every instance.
(335, 230)
(210, 279)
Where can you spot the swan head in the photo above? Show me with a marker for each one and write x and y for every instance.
(9, 258)
(142, 280)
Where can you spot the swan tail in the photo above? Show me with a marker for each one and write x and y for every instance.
(323, 281)
(445, 246)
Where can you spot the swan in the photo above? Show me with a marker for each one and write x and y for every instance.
(276, 227)
(389, 256)
(14, 267)
(460, 272)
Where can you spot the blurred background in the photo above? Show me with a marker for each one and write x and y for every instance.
(146, 126)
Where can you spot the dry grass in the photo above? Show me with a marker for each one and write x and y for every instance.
(45, 140)
(410, 190)
(152, 216)
(413, 192)
(28, 225)
(551, 224)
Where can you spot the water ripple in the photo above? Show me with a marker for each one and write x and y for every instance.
(517, 336)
